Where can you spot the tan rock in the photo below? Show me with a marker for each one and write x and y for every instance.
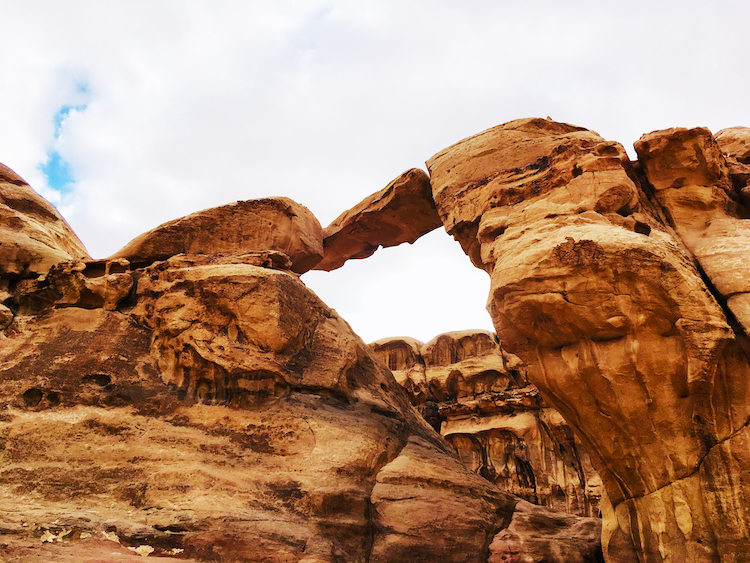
(467, 363)
(403, 358)
(477, 396)
(612, 320)
(33, 235)
(691, 179)
(536, 534)
(412, 489)
(401, 212)
(270, 224)
(223, 413)
(735, 143)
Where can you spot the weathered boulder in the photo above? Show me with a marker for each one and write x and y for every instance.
(33, 235)
(401, 212)
(479, 398)
(269, 224)
(614, 324)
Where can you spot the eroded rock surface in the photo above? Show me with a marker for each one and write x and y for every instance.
(613, 321)
(691, 180)
(401, 212)
(219, 411)
(277, 224)
(33, 235)
(479, 398)
(212, 408)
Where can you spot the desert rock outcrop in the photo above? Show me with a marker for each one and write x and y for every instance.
(277, 223)
(401, 212)
(33, 235)
(614, 324)
(691, 180)
(478, 397)
(212, 408)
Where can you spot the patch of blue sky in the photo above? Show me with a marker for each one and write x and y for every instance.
(57, 171)
(56, 168)
(63, 114)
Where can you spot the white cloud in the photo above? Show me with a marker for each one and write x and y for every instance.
(192, 104)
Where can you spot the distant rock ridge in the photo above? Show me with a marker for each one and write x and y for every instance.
(479, 398)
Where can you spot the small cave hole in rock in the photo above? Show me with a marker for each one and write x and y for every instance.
(100, 379)
(95, 269)
(53, 398)
(32, 397)
(642, 228)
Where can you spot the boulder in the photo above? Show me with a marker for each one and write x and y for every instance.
(401, 212)
(270, 224)
(691, 180)
(33, 235)
(537, 534)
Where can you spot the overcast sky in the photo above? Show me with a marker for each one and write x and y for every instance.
(129, 114)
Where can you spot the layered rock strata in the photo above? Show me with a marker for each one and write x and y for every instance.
(212, 408)
(479, 398)
(33, 235)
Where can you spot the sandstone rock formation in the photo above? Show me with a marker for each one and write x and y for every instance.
(478, 397)
(692, 183)
(212, 408)
(615, 325)
(401, 212)
(33, 235)
(278, 224)
(622, 288)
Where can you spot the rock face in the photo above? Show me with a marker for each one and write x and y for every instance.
(212, 408)
(692, 183)
(478, 397)
(401, 212)
(616, 327)
(33, 235)
(278, 224)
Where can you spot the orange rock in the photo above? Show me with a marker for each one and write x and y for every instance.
(692, 183)
(222, 412)
(270, 224)
(611, 318)
(401, 212)
(477, 396)
(33, 235)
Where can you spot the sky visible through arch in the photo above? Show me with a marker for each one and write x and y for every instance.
(129, 114)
